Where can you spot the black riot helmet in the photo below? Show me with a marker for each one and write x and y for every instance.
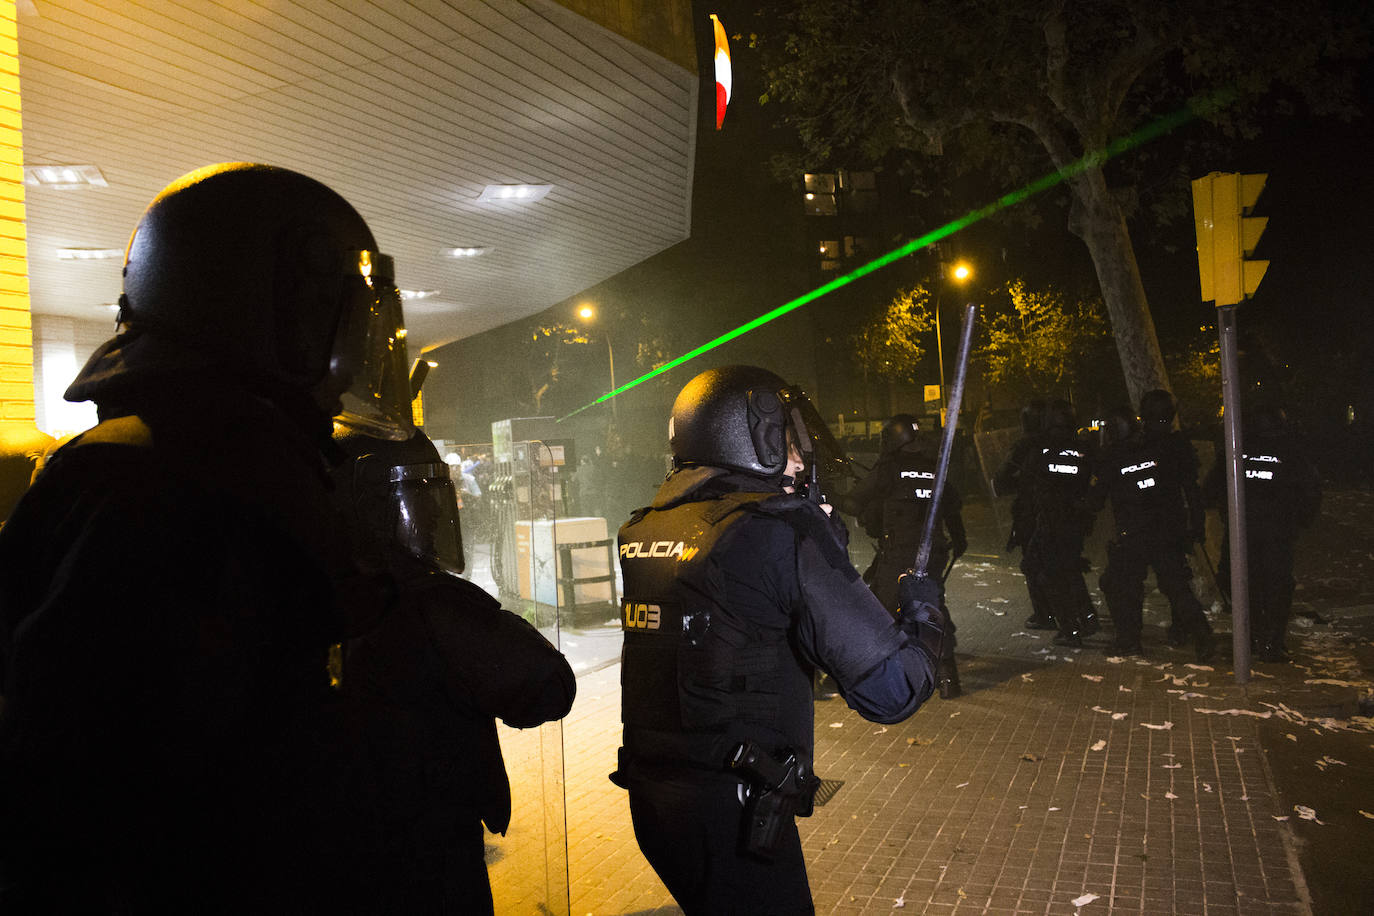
(1120, 425)
(898, 432)
(1157, 410)
(1265, 420)
(1033, 417)
(1060, 417)
(737, 417)
(264, 275)
(398, 495)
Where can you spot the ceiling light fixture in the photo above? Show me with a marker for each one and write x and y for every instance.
(519, 193)
(470, 251)
(64, 177)
(89, 254)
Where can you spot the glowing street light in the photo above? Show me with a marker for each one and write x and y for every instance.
(588, 313)
(960, 273)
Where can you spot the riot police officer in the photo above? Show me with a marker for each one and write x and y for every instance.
(1014, 477)
(735, 592)
(893, 501)
(172, 582)
(443, 664)
(1282, 495)
(1149, 475)
(1057, 479)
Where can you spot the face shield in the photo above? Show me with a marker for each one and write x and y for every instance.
(425, 514)
(400, 496)
(819, 449)
(370, 353)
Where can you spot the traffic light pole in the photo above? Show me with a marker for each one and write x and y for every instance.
(1235, 492)
(1227, 233)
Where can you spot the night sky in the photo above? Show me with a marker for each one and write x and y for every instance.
(748, 253)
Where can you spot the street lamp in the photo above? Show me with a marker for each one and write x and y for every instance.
(588, 313)
(960, 273)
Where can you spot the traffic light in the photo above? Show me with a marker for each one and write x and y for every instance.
(1227, 235)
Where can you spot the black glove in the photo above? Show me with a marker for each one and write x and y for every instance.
(921, 616)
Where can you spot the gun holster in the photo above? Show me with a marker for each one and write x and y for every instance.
(778, 790)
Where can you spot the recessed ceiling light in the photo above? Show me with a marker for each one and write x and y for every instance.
(418, 293)
(64, 177)
(470, 251)
(519, 193)
(89, 254)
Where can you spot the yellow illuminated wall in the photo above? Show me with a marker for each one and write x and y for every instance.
(16, 335)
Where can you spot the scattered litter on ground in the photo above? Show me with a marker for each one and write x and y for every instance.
(1159, 728)
(1172, 766)
(1122, 689)
(1170, 795)
(837, 725)
(881, 731)
(1308, 814)
(1199, 667)
(1095, 678)
(1084, 900)
(1114, 659)
(1099, 745)
(899, 903)
(961, 785)
(1232, 712)
(1033, 758)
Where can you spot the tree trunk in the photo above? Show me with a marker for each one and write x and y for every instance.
(1096, 218)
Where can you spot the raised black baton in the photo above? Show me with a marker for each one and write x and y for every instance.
(956, 395)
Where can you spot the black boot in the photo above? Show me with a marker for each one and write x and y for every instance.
(1204, 644)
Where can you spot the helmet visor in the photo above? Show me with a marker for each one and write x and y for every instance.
(425, 514)
(814, 439)
(370, 350)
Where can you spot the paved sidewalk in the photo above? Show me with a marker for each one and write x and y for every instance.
(1062, 782)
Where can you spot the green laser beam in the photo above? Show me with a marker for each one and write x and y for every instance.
(1089, 160)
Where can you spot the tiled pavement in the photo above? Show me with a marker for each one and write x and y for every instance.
(1060, 783)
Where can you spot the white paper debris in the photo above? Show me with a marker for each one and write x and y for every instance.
(881, 731)
(1099, 745)
(1200, 667)
(1114, 659)
(1206, 787)
(1027, 678)
(1232, 712)
(1118, 716)
(961, 785)
(1085, 899)
(1172, 766)
(1159, 728)
(1279, 817)
(1307, 814)
(1095, 678)
(1105, 712)
(837, 725)
(1121, 689)
(1054, 809)
(1170, 795)
(899, 903)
